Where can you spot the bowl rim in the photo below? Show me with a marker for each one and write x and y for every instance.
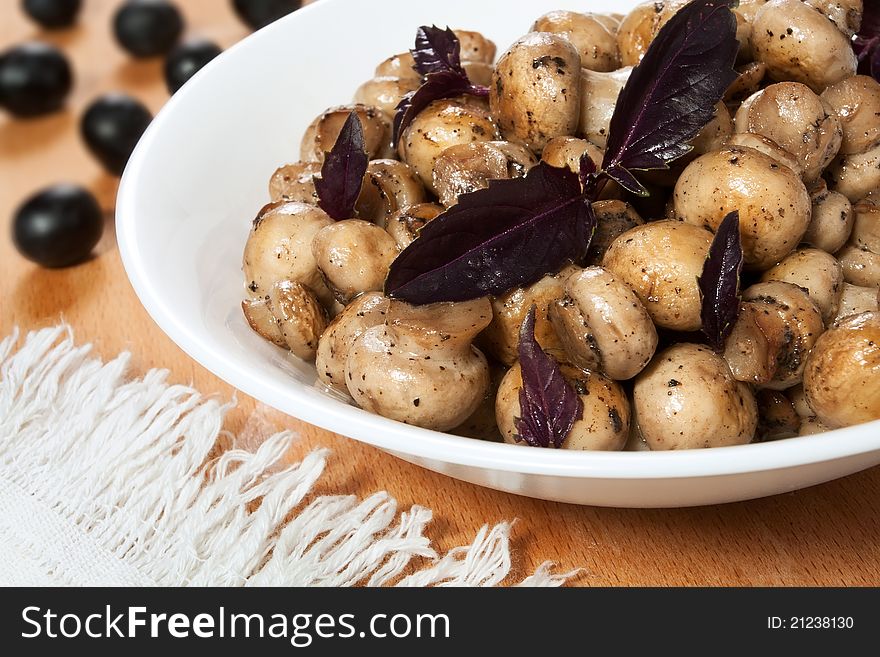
(345, 419)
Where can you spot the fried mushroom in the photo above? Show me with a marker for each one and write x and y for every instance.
(279, 248)
(799, 44)
(777, 326)
(420, 367)
(661, 262)
(604, 424)
(535, 93)
(773, 203)
(842, 376)
(602, 325)
(353, 257)
(596, 44)
(322, 133)
(465, 168)
(687, 398)
(444, 123)
(798, 120)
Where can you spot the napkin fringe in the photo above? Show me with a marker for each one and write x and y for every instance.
(108, 480)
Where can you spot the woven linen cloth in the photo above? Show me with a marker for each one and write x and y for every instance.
(109, 480)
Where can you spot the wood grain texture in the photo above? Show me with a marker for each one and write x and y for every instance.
(826, 535)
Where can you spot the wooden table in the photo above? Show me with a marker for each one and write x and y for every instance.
(826, 535)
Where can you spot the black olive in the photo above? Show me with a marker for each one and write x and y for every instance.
(146, 28)
(259, 13)
(58, 226)
(35, 78)
(186, 60)
(52, 14)
(112, 126)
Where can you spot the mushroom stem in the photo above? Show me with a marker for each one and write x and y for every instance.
(445, 327)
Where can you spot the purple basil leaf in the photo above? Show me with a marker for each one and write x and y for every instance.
(866, 43)
(870, 25)
(342, 173)
(864, 48)
(437, 86)
(868, 55)
(436, 50)
(549, 405)
(874, 66)
(719, 283)
(510, 234)
(627, 180)
(587, 171)
(672, 93)
(438, 58)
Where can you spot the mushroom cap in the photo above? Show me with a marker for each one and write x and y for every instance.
(687, 398)
(773, 203)
(800, 44)
(636, 31)
(301, 318)
(817, 272)
(831, 219)
(603, 325)
(479, 72)
(778, 324)
(385, 92)
(748, 8)
(855, 299)
(596, 44)
(598, 98)
(860, 265)
(432, 393)
(501, 337)
(613, 218)
(751, 75)
(842, 378)
(475, 47)
(466, 168)
(279, 248)
(258, 314)
(798, 120)
(777, 417)
(353, 256)
(419, 366)
(442, 124)
(295, 182)
(288, 316)
(661, 262)
(401, 65)
(567, 151)
(866, 227)
(856, 175)
(714, 134)
(404, 225)
(535, 91)
(389, 186)
(856, 102)
(364, 312)
(845, 14)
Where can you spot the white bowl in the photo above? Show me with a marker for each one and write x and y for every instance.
(200, 174)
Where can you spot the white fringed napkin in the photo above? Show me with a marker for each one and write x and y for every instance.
(112, 481)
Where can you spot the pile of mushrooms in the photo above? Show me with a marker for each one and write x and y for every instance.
(794, 148)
